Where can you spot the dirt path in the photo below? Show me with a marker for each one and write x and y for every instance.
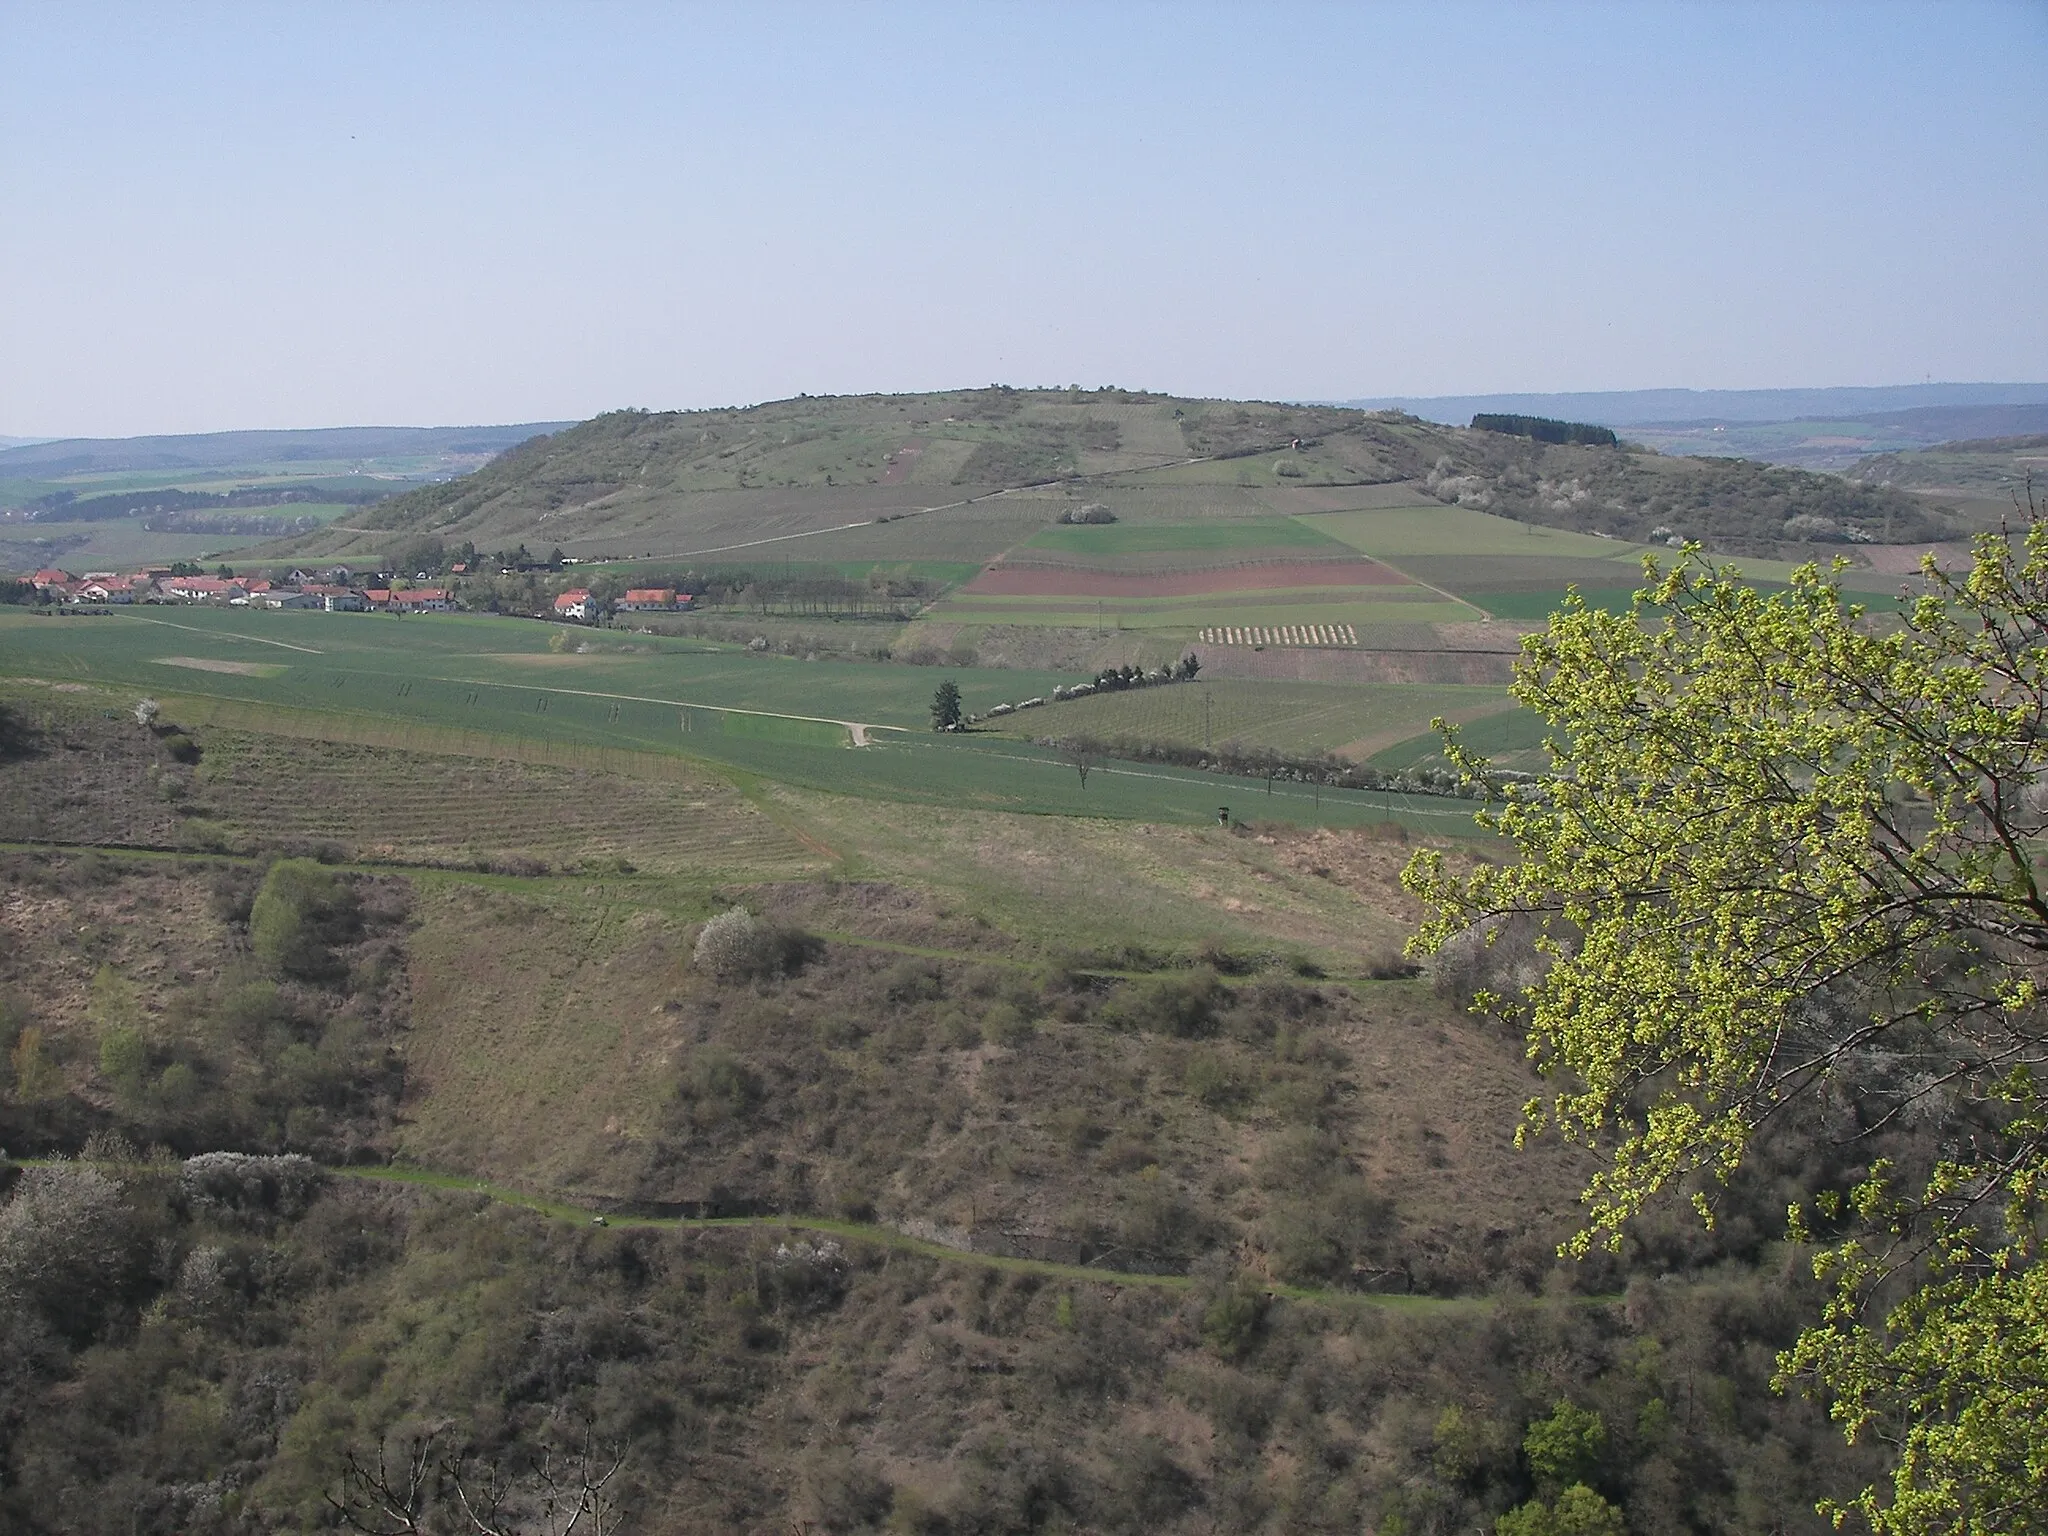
(883, 1237)
(857, 729)
(221, 634)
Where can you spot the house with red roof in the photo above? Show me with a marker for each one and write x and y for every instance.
(421, 600)
(653, 600)
(575, 604)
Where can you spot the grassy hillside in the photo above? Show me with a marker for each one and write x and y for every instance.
(1031, 1172)
(678, 484)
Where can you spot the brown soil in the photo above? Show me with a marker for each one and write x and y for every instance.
(903, 461)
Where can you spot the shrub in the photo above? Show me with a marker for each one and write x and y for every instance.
(69, 1247)
(723, 1086)
(738, 946)
(1231, 1323)
(243, 1181)
(298, 914)
(1184, 1006)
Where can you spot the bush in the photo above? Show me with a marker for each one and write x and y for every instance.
(242, 1181)
(69, 1248)
(738, 946)
(299, 913)
(1184, 1006)
(1231, 1323)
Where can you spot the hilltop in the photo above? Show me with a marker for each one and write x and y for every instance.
(639, 484)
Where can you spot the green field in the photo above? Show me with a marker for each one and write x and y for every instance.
(1299, 718)
(495, 678)
(1306, 605)
(1390, 535)
(1512, 738)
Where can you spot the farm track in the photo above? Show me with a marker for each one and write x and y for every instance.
(852, 1231)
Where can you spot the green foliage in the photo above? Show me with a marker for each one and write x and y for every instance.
(124, 1057)
(946, 707)
(36, 1077)
(1579, 1511)
(1786, 860)
(1566, 1447)
(300, 910)
(112, 1003)
(1545, 430)
(1231, 1323)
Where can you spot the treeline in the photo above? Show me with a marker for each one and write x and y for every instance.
(1546, 429)
(1243, 760)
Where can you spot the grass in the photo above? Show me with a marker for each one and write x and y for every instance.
(1306, 605)
(367, 673)
(387, 803)
(489, 673)
(1513, 738)
(1173, 538)
(1291, 717)
(1389, 535)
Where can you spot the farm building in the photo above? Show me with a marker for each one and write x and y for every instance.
(653, 599)
(421, 600)
(575, 604)
(202, 589)
(284, 597)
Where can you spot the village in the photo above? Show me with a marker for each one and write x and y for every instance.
(334, 589)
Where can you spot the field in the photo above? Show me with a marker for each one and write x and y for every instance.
(426, 682)
(124, 542)
(1301, 718)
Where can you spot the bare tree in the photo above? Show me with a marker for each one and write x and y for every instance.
(1081, 753)
(557, 1492)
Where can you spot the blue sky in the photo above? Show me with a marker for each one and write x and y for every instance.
(307, 214)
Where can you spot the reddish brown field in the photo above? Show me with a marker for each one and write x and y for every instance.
(1026, 581)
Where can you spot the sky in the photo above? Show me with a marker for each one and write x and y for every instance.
(218, 217)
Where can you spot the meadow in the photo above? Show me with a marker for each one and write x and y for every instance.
(374, 679)
(1297, 718)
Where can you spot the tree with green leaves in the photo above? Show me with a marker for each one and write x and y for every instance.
(1785, 872)
(946, 707)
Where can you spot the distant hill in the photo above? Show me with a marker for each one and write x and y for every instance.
(1642, 407)
(1977, 481)
(635, 484)
(226, 450)
(1822, 429)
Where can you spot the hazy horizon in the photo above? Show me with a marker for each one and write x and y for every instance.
(234, 218)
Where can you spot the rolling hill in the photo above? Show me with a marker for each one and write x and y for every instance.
(838, 473)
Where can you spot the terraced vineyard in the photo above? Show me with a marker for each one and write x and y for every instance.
(412, 807)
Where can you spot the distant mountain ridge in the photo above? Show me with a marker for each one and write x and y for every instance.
(207, 450)
(1684, 407)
